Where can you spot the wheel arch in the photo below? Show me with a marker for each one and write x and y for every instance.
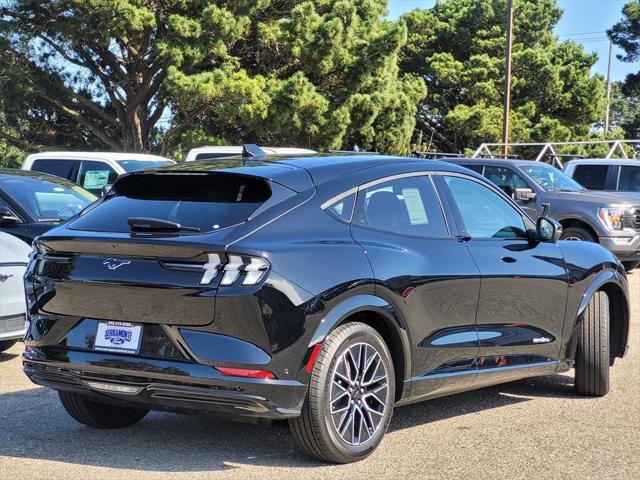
(578, 223)
(619, 315)
(381, 316)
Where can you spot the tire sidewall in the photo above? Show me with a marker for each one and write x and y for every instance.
(579, 233)
(341, 448)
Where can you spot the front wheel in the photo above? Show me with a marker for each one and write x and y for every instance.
(578, 234)
(592, 353)
(350, 399)
(97, 414)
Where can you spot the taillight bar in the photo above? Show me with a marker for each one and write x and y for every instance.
(251, 269)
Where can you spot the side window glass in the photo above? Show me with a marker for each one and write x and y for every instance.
(593, 177)
(629, 179)
(93, 176)
(59, 168)
(485, 214)
(343, 208)
(505, 178)
(476, 168)
(406, 206)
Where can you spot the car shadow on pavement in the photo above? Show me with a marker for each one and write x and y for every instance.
(34, 425)
(5, 357)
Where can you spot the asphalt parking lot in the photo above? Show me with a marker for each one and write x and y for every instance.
(535, 428)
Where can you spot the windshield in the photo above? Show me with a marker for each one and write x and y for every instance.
(47, 200)
(135, 165)
(551, 179)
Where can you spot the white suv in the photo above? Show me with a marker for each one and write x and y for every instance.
(209, 153)
(92, 170)
(14, 255)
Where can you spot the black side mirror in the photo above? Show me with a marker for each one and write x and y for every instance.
(524, 194)
(7, 217)
(548, 230)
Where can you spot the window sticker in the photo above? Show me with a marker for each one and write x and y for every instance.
(95, 179)
(415, 207)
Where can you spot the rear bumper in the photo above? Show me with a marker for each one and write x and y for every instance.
(168, 385)
(626, 248)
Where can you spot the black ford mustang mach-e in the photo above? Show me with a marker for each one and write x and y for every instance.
(323, 289)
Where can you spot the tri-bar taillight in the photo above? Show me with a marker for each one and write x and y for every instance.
(244, 269)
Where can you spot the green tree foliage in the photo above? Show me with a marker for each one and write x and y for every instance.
(458, 47)
(317, 73)
(626, 99)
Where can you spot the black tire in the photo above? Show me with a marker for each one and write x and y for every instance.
(6, 344)
(315, 430)
(592, 353)
(578, 234)
(97, 414)
(628, 266)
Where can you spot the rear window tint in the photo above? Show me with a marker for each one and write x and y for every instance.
(593, 177)
(59, 168)
(205, 201)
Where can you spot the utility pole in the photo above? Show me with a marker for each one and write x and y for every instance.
(608, 110)
(506, 111)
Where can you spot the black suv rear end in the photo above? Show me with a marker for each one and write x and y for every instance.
(134, 283)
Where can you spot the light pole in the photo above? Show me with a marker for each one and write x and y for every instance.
(608, 109)
(506, 110)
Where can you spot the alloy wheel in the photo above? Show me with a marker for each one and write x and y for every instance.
(358, 394)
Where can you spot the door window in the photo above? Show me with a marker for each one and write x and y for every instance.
(629, 179)
(93, 176)
(485, 213)
(593, 177)
(407, 206)
(58, 167)
(505, 178)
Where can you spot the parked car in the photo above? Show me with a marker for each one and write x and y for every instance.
(323, 290)
(92, 170)
(598, 217)
(31, 203)
(613, 175)
(14, 255)
(213, 152)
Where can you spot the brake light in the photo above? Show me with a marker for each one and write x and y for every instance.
(247, 373)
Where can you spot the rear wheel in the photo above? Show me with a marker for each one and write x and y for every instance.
(350, 399)
(578, 234)
(592, 353)
(7, 344)
(97, 414)
(628, 266)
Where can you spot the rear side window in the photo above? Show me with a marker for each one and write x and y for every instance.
(475, 168)
(205, 201)
(59, 168)
(593, 177)
(407, 206)
(96, 175)
(629, 179)
(212, 155)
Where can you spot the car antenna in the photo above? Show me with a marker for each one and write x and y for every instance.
(251, 151)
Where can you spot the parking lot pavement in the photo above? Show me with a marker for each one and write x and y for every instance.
(535, 428)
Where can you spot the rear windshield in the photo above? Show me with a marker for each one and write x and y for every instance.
(205, 201)
(134, 165)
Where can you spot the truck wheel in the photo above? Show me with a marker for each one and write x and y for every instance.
(592, 353)
(97, 414)
(577, 234)
(350, 398)
(7, 344)
(628, 266)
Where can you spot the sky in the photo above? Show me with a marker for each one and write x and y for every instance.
(585, 21)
